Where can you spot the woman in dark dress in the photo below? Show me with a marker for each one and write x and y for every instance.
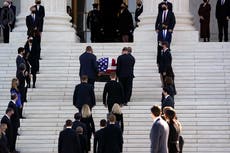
(116, 110)
(87, 118)
(174, 131)
(204, 13)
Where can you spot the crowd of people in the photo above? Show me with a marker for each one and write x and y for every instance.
(27, 65)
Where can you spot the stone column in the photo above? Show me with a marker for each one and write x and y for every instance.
(56, 23)
(184, 29)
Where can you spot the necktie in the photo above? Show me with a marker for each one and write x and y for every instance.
(165, 34)
(164, 16)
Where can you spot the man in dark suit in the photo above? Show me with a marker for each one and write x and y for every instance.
(40, 12)
(20, 58)
(166, 17)
(138, 11)
(222, 16)
(15, 118)
(125, 68)
(6, 119)
(99, 138)
(6, 19)
(159, 133)
(84, 94)
(78, 123)
(3, 138)
(14, 11)
(68, 140)
(165, 62)
(113, 139)
(88, 65)
(33, 22)
(170, 6)
(167, 101)
(113, 93)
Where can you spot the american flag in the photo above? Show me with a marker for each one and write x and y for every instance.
(106, 64)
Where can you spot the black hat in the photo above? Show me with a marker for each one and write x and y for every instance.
(95, 5)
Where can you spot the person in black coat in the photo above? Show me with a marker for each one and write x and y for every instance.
(40, 12)
(165, 63)
(87, 118)
(33, 22)
(170, 6)
(116, 110)
(125, 24)
(3, 139)
(113, 93)
(125, 68)
(166, 17)
(167, 100)
(83, 139)
(84, 94)
(174, 131)
(6, 19)
(68, 141)
(88, 65)
(13, 8)
(113, 137)
(20, 58)
(138, 11)
(222, 16)
(78, 123)
(98, 144)
(6, 119)
(21, 76)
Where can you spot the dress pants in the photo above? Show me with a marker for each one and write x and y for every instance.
(127, 84)
(223, 26)
(6, 34)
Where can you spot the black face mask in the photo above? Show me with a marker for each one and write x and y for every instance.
(164, 8)
(165, 0)
(205, 1)
(31, 41)
(33, 11)
(139, 5)
(38, 3)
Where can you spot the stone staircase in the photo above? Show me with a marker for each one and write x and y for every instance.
(202, 80)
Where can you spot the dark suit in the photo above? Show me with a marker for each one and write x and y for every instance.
(41, 14)
(69, 142)
(119, 121)
(79, 124)
(159, 136)
(83, 143)
(222, 12)
(173, 141)
(167, 102)
(22, 89)
(170, 6)
(84, 94)
(88, 66)
(32, 24)
(170, 20)
(90, 129)
(14, 11)
(9, 132)
(125, 68)
(113, 93)
(19, 60)
(99, 141)
(15, 120)
(138, 12)
(3, 144)
(113, 139)
(165, 62)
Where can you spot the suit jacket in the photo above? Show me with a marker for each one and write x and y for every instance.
(14, 11)
(222, 11)
(170, 7)
(113, 93)
(167, 102)
(99, 141)
(125, 22)
(119, 121)
(3, 144)
(41, 14)
(125, 66)
(15, 118)
(21, 78)
(83, 143)
(165, 61)
(6, 16)
(19, 60)
(170, 21)
(32, 24)
(9, 131)
(162, 37)
(77, 124)
(159, 136)
(84, 94)
(69, 142)
(88, 65)
(113, 139)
